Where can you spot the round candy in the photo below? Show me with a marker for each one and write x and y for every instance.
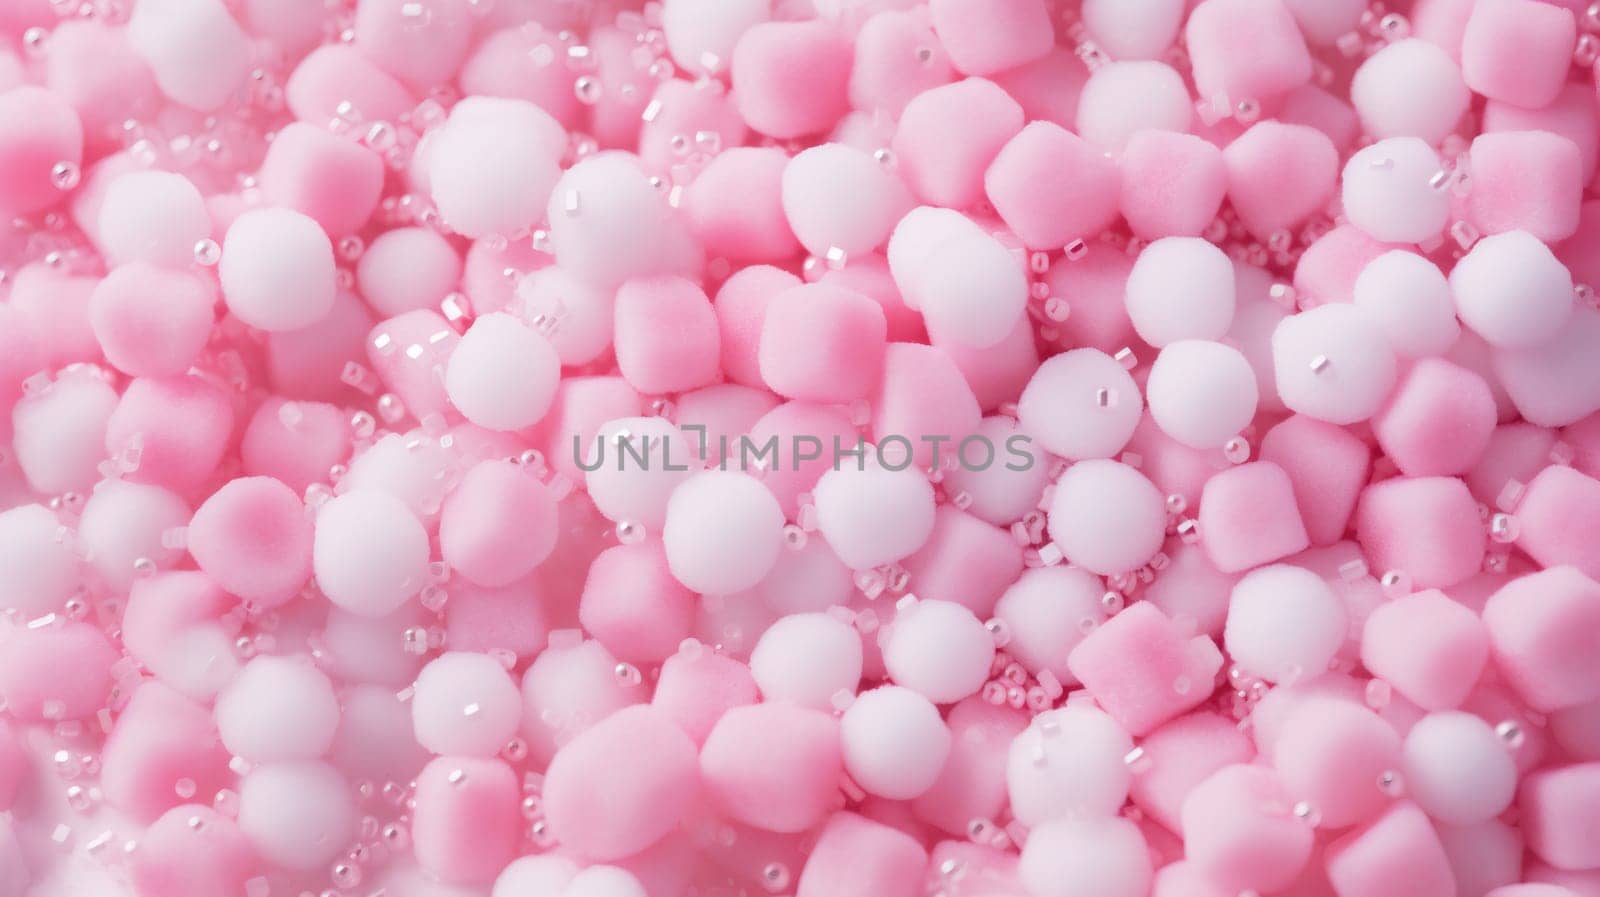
(1512, 291)
(807, 659)
(894, 742)
(1180, 288)
(252, 536)
(1457, 769)
(278, 708)
(152, 216)
(1081, 404)
(369, 552)
(1332, 363)
(839, 198)
(1285, 624)
(1410, 299)
(1068, 762)
(38, 572)
(632, 468)
(723, 533)
(407, 268)
(502, 375)
(1107, 857)
(873, 516)
(297, 815)
(1410, 88)
(152, 321)
(493, 165)
(1201, 393)
(1107, 517)
(498, 524)
(1397, 191)
(465, 704)
(938, 648)
(1047, 612)
(277, 270)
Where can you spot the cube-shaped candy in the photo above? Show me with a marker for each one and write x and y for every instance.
(1180, 755)
(966, 560)
(1429, 647)
(1327, 465)
(1238, 827)
(988, 36)
(1051, 187)
(468, 818)
(1248, 517)
(1525, 180)
(1172, 184)
(1426, 527)
(1561, 815)
(821, 343)
(1143, 669)
(310, 169)
(1544, 633)
(948, 136)
(1398, 855)
(1331, 753)
(1328, 269)
(1518, 50)
(1559, 517)
(1438, 420)
(1246, 50)
(856, 857)
(1279, 174)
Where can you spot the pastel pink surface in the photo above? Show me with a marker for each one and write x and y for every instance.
(1428, 647)
(1438, 420)
(1557, 511)
(1327, 467)
(1543, 630)
(1050, 187)
(1425, 527)
(855, 857)
(599, 779)
(1248, 517)
(820, 343)
(1397, 855)
(1143, 669)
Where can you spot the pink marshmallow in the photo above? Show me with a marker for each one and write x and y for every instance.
(1173, 184)
(498, 524)
(1248, 517)
(1328, 268)
(335, 181)
(1518, 50)
(1570, 116)
(1246, 50)
(1525, 180)
(965, 560)
(192, 849)
(791, 78)
(175, 429)
(1425, 527)
(605, 799)
(295, 442)
(820, 343)
(985, 37)
(1437, 421)
(1557, 516)
(666, 335)
(735, 206)
(774, 766)
(1237, 826)
(855, 857)
(1332, 754)
(253, 537)
(1560, 809)
(923, 398)
(40, 131)
(697, 686)
(686, 111)
(1181, 754)
(1143, 669)
(972, 784)
(1430, 648)
(38, 687)
(1327, 467)
(338, 73)
(1051, 188)
(151, 321)
(1397, 855)
(160, 738)
(467, 820)
(897, 57)
(1544, 631)
(633, 606)
(1279, 174)
(949, 135)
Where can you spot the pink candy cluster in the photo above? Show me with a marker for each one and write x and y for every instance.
(378, 380)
